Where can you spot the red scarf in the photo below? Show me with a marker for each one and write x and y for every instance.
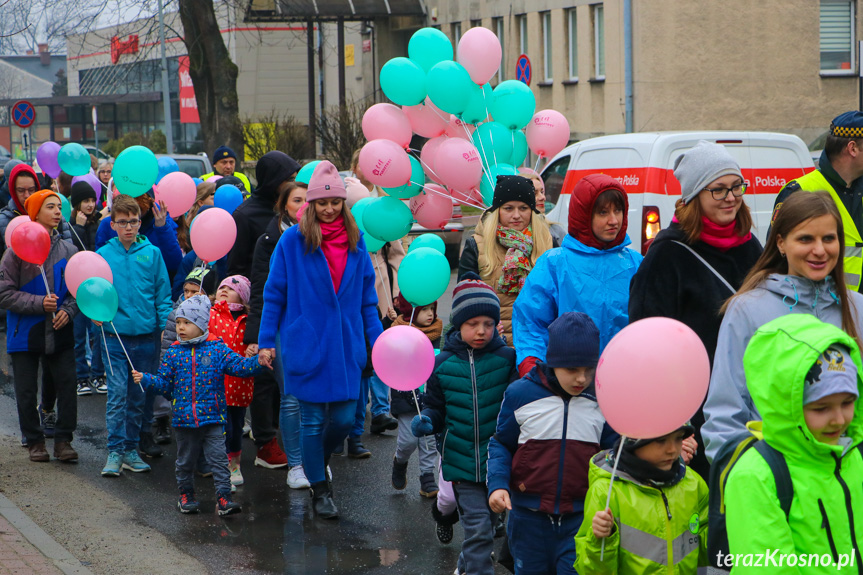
(335, 248)
(721, 237)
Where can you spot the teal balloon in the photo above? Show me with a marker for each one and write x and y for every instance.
(387, 219)
(74, 159)
(135, 171)
(305, 173)
(65, 208)
(450, 87)
(493, 142)
(478, 106)
(97, 299)
(519, 148)
(414, 186)
(429, 46)
(372, 244)
(423, 276)
(432, 241)
(513, 104)
(486, 187)
(403, 82)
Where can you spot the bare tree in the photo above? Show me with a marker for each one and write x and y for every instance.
(24, 24)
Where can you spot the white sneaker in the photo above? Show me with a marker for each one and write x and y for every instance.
(236, 476)
(297, 478)
(329, 473)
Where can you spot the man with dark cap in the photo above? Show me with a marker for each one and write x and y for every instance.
(224, 164)
(840, 172)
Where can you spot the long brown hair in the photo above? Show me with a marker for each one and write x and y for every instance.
(690, 215)
(310, 228)
(797, 209)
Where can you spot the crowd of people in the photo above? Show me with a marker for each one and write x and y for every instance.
(510, 438)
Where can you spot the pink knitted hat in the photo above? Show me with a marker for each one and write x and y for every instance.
(239, 284)
(325, 183)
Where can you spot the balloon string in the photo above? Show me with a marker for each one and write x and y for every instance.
(47, 289)
(491, 137)
(481, 206)
(429, 168)
(435, 110)
(107, 354)
(71, 227)
(384, 283)
(536, 167)
(610, 485)
(126, 352)
(482, 147)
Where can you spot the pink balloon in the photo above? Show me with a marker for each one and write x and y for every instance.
(652, 377)
(178, 191)
(387, 122)
(403, 357)
(83, 266)
(472, 196)
(11, 228)
(432, 208)
(213, 234)
(427, 120)
(385, 164)
(479, 52)
(428, 156)
(547, 133)
(456, 128)
(356, 191)
(458, 164)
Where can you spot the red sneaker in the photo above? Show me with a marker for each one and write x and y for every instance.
(271, 456)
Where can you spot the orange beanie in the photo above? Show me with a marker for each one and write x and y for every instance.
(34, 202)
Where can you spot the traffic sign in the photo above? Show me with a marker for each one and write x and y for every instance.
(523, 71)
(23, 114)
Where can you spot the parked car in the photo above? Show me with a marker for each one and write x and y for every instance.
(644, 164)
(196, 165)
(816, 146)
(99, 154)
(5, 156)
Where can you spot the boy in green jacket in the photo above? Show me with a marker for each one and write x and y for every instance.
(803, 377)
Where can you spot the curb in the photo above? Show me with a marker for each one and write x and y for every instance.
(56, 553)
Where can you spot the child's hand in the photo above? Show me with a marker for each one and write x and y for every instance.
(96, 323)
(160, 214)
(252, 350)
(265, 357)
(391, 313)
(49, 302)
(690, 447)
(421, 425)
(60, 319)
(603, 522)
(499, 501)
(137, 376)
(81, 219)
(500, 329)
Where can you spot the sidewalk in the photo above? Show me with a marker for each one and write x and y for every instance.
(25, 549)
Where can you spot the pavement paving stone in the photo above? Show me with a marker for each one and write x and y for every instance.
(19, 556)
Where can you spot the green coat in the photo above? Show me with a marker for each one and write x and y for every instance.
(827, 479)
(656, 530)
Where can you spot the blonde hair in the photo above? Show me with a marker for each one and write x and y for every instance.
(494, 254)
(310, 228)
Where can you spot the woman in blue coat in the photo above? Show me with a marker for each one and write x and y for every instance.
(320, 301)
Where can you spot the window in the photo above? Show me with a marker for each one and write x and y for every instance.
(572, 39)
(522, 34)
(837, 37)
(598, 42)
(498, 29)
(553, 176)
(547, 48)
(456, 32)
(475, 23)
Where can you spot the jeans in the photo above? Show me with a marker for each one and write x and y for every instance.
(25, 370)
(125, 407)
(406, 444)
(324, 427)
(88, 342)
(191, 441)
(380, 393)
(289, 423)
(234, 421)
(542, 543)
(475, 515)
(360, 414)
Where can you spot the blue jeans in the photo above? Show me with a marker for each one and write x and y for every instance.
(360, 415)
(380, 393)
(324, 427)
(542, 543)
(125, 406)
(88, 348)
(290, 424)
(475, 516)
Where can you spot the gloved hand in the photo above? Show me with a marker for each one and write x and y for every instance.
(421, 425)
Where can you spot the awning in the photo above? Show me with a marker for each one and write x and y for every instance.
(89, 100)
(287, 10)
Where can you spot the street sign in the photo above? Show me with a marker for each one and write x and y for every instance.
(523, 71)
(23, 114)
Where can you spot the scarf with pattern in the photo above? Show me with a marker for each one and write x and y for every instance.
(516, 264)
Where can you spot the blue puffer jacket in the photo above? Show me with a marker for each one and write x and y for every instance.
(164, 238)
(574, 277)
(193, 376)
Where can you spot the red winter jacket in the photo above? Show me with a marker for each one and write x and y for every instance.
(238, 390)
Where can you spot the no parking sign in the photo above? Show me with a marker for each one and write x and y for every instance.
(23, 114)
(523, 70)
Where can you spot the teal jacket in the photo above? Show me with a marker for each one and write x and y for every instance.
(142, 285)
(463, 399)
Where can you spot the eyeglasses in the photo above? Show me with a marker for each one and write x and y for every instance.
(127, 223)
(25, 190)
(720, 194)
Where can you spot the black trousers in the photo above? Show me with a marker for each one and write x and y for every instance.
(25, 372)
(264, 409)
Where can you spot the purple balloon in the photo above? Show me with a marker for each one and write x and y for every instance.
(91, 179)
(46, 156)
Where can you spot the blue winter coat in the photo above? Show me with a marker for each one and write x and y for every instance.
(193, 376)
(142, 286)
(191, 261)
(574, 277)
(322, 333)
(164, 238)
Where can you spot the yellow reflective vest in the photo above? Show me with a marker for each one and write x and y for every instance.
(816, 182)
(240, 175)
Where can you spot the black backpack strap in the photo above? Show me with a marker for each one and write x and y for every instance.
(781, 475)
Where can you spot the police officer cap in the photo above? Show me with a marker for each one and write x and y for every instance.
(847, 125)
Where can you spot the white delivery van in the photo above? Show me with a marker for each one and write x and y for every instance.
(644, 164)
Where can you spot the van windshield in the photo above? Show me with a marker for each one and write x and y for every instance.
(553, 177)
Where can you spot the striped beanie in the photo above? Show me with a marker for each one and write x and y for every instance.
(473, 297)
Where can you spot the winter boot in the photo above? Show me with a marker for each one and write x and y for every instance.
(322, 501)
(444, 524)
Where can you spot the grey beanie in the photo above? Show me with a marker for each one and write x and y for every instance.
(7, 167)
(833, 372)
(196, 309)
(702, 164)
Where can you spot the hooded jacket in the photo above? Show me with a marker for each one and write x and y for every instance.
(581, 204)
(657, 530)
(254, 214)
(463, 399)
(14, 208)
(826, 514)
(729, 406)
(543, 444)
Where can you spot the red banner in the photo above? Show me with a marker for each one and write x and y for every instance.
(188, 104)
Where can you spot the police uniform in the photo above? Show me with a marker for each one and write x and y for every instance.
(221, 153)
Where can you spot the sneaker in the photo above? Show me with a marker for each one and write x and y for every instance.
(400, 474)
(234, 467)
(444, 524)
(162, 430)
(271, 456)
(101, 385)
(39, 453)
(428, 485)
(147, 446)
(187, 503)
(297, 478)
(84, 387)
(356, 449)
(329, 474)
(383, 422)
(48, 419)
(133, 462)
(113, 465)
(247, 428)
(226, 506)
(23, 441)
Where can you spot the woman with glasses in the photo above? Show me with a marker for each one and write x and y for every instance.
(104, 173)
(702, 257)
